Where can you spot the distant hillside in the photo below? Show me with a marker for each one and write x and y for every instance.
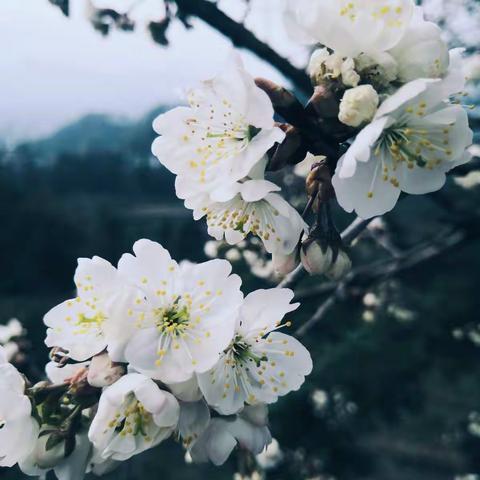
(98, 133)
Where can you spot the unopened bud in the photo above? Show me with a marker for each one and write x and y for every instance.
(358, 105)
(340, 267)
(284, 264)
(322, 261)
(102, 372)
(350, 77)
(315, 260)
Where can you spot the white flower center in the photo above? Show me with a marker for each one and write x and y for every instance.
(411, 144)
(174, 320)
(217, 132)
(87, 323)
(257, 218)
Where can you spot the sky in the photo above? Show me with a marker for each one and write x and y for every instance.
(57, 69)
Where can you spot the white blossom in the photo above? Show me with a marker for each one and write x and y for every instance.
(253, 208)
(211, 248)
(82, 325)
(41, 461)
(260, 364)
(233, 255)
(421, 53)
(326, 65)
(358, 105)
(12, 329)
(18, 429)
(133, 415)
(248, 430)
(413, 140)
(220, 137)
(471, 180)
(182, 318)
(349, 27)
(350, 77)
(271, 456)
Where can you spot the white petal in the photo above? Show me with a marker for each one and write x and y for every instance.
(254, 190)
(366, 192)
(262, 310)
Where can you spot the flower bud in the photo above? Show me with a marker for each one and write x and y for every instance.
(340, 267)
(315, 260)
(350, 77)
(316, 67)
(284, 264)
(103, 372)
(358, 105)
(271, 456)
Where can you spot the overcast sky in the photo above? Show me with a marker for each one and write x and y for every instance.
(56, 69)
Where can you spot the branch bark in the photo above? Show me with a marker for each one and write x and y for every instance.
(365, 276)
(243, 38)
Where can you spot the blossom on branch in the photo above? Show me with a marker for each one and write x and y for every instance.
(182, 318)
(133, 415)
(82, 324)
(254, 209)
(260, 364)
(248, 430)
(415, 137)
(349, 27)
(18, 429)
(217, 140)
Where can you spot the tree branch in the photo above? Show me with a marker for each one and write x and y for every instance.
(365, 276)
(244, 38)
(348, 235)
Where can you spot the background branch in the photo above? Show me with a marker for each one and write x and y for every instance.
(241, 37)
(362, 278)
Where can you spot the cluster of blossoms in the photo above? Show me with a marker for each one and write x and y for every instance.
(217, 149)
(395, 77)
(148, 350)
(390, 81)
(152, 349)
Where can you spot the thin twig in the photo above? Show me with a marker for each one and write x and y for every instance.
(348, 235)
(364, 277)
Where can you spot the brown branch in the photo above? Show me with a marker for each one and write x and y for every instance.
(243, 38)
(362, 278)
